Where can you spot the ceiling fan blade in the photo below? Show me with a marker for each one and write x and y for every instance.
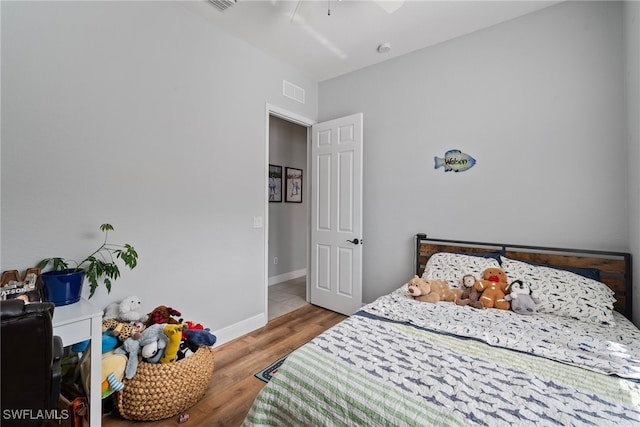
(303, 11)
(295, 11)
(389, 6)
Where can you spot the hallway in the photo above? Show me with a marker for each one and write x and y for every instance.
(287, 296)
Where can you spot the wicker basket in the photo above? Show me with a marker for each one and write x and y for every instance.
(162, 390)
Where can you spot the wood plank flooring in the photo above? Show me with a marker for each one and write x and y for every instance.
(233, 386)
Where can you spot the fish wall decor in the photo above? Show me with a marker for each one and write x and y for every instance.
(455, 160)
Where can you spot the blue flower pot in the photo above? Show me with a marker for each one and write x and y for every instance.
(62, 287)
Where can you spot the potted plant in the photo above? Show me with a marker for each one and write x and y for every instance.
(63, 283)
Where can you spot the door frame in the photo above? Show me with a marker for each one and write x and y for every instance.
(274, 110)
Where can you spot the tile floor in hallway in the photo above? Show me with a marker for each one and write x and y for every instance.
(287, 296)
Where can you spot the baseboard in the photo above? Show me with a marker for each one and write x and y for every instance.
(274, 280)
(239, 329)
(243, 327)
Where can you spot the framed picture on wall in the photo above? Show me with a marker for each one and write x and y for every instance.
(275, 183)
(293, 188)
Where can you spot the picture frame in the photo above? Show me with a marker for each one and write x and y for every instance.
(275, 183)
(293, 185)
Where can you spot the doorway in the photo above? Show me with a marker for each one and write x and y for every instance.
(288, 217)
(335, 265)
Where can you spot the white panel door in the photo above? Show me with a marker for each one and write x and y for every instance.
(336, 214)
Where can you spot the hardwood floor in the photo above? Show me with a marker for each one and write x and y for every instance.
(233, 386)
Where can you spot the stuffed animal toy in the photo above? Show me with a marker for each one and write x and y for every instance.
(108, 343)
(121, 330)
(113, 368)
(125, 310)
(184, 350)
(174, 333)
(162, 314)
(520, 297)
(198, 338)
(149, 345)
(430, 290)
(113, 384)
(131, 348)
(113, 371)
(470, 294)
(189, 325)
(153, 342)
(493, 287)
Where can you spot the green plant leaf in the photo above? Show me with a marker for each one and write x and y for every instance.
(100, 265)
(93, 285)
(57, 264)
(106, 227)
(129, 256)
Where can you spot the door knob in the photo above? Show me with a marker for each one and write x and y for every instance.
(354, 241)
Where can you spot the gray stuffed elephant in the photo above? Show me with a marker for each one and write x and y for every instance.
(149, 345)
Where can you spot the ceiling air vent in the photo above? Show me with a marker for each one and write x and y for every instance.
(292, 91)
(223, 5)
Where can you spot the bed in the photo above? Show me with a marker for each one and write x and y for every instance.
(401, 362)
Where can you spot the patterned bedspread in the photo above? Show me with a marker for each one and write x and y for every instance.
(404, 363)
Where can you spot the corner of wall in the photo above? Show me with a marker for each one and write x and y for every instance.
(243, 327)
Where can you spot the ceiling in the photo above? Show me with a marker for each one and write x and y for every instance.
(327, 38)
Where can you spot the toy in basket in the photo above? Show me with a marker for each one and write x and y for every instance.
(163, 390)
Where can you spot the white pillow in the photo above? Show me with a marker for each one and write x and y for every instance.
(451, 267)
(564, 293)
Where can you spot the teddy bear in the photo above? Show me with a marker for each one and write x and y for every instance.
(493, 286)
(520, 297)
(432, 290)
(470, 294)
(125, 310)
(162, 314)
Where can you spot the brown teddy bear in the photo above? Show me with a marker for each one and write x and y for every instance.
(470, 294)
(428, 290)
(493, 287)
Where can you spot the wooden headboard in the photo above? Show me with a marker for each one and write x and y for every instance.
(615, 267)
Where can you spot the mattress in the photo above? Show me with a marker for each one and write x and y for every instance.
(401, 362)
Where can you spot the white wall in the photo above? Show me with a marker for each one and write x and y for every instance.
(176, 106)
(288, 221)
(632, 93)
(144, 115)
(538, 101)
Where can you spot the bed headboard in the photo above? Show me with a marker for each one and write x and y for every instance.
(615, 267)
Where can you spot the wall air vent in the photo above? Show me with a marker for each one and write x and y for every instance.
(223, 5)
(292, 91)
